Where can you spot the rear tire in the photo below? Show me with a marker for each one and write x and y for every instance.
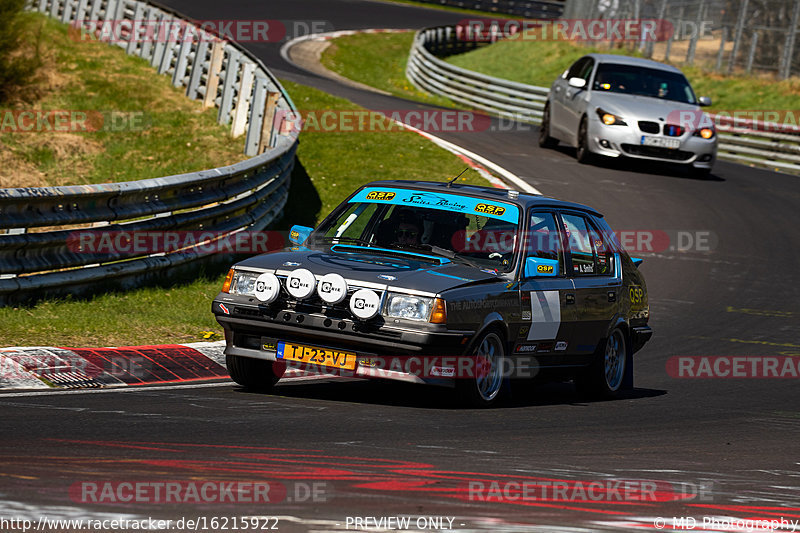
(484, 386)
(545, 140)
(605, 377)
(255, 374)
(583, 154)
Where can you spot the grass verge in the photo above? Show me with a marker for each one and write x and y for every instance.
(146, 128)
(378, 60)
(330, 165)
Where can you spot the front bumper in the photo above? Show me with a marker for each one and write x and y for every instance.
(429, 355)
(616, 141)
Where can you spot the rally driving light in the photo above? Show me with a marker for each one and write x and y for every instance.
(610, 119)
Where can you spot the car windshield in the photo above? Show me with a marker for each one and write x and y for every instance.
(643, 81)
(469, 230)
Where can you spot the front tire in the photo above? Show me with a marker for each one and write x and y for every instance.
(255, 374)
(583, 154)
(545, 140)
(483, 387)
(605, 377)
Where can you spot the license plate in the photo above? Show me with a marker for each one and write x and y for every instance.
(315, 355)
(661, 142)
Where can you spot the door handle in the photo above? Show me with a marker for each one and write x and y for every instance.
(570, 299)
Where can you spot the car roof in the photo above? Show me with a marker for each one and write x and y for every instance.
(524, 199)
(634, 61)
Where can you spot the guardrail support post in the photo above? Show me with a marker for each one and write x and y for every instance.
(197, 66)
(256, 119)
(242, 100)
(187, 40)
(268, 127)
(752, 55)
(228, 87)
(212, 80)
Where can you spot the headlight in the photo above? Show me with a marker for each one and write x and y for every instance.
(410, 307)
(243, 282)
(610, 119)
(705, 133)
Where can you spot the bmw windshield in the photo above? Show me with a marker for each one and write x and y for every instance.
(479, 232)
(643, 81)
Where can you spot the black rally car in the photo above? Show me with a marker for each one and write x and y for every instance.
(442, 284)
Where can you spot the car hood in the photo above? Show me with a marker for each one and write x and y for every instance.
(631, 107)
(362, 265)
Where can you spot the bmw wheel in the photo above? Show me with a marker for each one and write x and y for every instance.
(483, 386)
(606, 375)
(251, 373)
(583, 154)
(545, 140)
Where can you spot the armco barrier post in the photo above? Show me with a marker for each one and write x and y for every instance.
(212, 79)
(242, 100)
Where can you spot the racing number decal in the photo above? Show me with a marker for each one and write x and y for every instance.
(490, 209)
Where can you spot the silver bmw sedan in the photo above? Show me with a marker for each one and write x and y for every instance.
(620, 106)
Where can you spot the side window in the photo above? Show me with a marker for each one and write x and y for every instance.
(604, 251)
(579, 238)
(577, 68)
(586, 70)
(544, 239)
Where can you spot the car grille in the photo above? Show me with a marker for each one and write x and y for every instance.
(671, 130)
(649, 127)
(657, 151)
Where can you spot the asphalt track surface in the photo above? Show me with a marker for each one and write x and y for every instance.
(389, 450)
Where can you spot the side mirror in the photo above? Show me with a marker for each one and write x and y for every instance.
(704, 101)
(538, 267)
(299, 234)
(578, 83)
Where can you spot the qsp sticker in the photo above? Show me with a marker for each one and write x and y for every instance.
(381, 195)
(490, 209)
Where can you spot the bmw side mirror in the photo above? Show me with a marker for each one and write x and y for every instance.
(704, 101)
(538, 267)
(578, 83)
(299, 234)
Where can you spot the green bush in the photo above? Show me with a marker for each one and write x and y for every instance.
(17, 65)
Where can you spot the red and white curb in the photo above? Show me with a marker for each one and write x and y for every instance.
(47, 367)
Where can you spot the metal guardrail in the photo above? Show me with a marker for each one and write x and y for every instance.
(746, 141)
(223, 201)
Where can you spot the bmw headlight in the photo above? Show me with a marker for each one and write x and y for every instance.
(407, 306)
(243, 282)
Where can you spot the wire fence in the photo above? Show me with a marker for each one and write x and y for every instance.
(725, 35)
